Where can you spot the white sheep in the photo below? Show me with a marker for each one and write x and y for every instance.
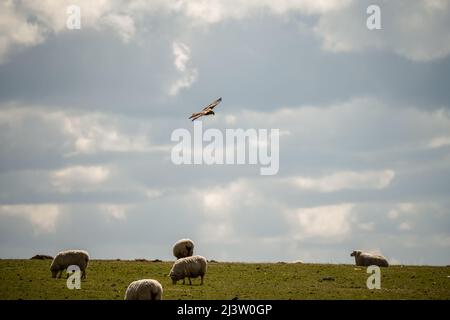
(183, 248)
(190, 267)
(368, 259)
(145, 289)
(67, 258)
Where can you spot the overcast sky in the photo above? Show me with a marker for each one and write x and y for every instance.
(86, 118)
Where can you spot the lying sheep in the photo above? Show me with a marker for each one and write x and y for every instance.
(67, 258)
(190, 267)
(145, 289)
(183, 248)
(368, 259)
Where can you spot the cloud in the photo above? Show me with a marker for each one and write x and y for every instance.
(346, 180)
(182, 56)
(117, 212)
(123, 24)
(215, 11)
(439, 142)
(74, 133)
(15, 30)
(368, 226)
(405, 226)
(417, 30)
(401, 209)
(28, 23)
(79, 178)
(414, 29)
(330, 223)
(43, 217)
(98, 132)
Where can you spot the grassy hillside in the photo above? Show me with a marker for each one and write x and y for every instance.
(31, 279)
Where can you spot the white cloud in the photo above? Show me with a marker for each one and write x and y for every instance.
(220, 200)
(330, 223)
(220, 204)
(95, 132)
(415, 29)
(405, 226)
(393, 214)
(85, 132)
(439, 142)
(43, 217)
(182, 56)
(118, 212)
(79, 177)
(15, 30)
(400, 209)
(153, 193)
(346, 180)
(123, 24)
(214, 11)
(366, 226)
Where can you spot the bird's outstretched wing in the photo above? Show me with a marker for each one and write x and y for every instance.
(212, 105)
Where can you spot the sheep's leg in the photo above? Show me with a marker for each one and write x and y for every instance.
(190, 283)
(60, 274)
(183, 281)
(201, 280)
(83, 274)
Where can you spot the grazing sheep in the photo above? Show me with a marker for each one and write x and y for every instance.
(190, 267)
(41, 257)
(183, 248)
(67, 258)
(145, 289)
(367, 259)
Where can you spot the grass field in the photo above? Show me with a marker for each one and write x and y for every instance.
(108, 279)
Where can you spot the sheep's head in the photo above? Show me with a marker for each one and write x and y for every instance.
(54, 270)
(175, 276)
(54, 273)
(355, 253)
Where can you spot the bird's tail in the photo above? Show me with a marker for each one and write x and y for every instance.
(193, 115)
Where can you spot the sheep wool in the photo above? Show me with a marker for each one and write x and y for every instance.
(67, 258)
(144, 289)
(190, 267)
(183, 248)
(367, 259)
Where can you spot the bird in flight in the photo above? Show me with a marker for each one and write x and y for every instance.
(206, 110)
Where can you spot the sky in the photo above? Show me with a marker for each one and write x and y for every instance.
(86, 117)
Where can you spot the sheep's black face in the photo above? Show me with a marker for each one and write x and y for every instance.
(356, 253)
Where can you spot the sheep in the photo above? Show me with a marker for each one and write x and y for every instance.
(67, 258)
(368, 259)
(190, 267)
(144, 289)
(183, 248)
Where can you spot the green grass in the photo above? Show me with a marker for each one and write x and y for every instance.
(31, 279)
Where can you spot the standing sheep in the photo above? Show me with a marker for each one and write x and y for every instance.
(145, 289)
(183, 248)
(190, 267)
(67, 258)
(367, 259)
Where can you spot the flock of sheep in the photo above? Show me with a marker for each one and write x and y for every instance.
(186, 266)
